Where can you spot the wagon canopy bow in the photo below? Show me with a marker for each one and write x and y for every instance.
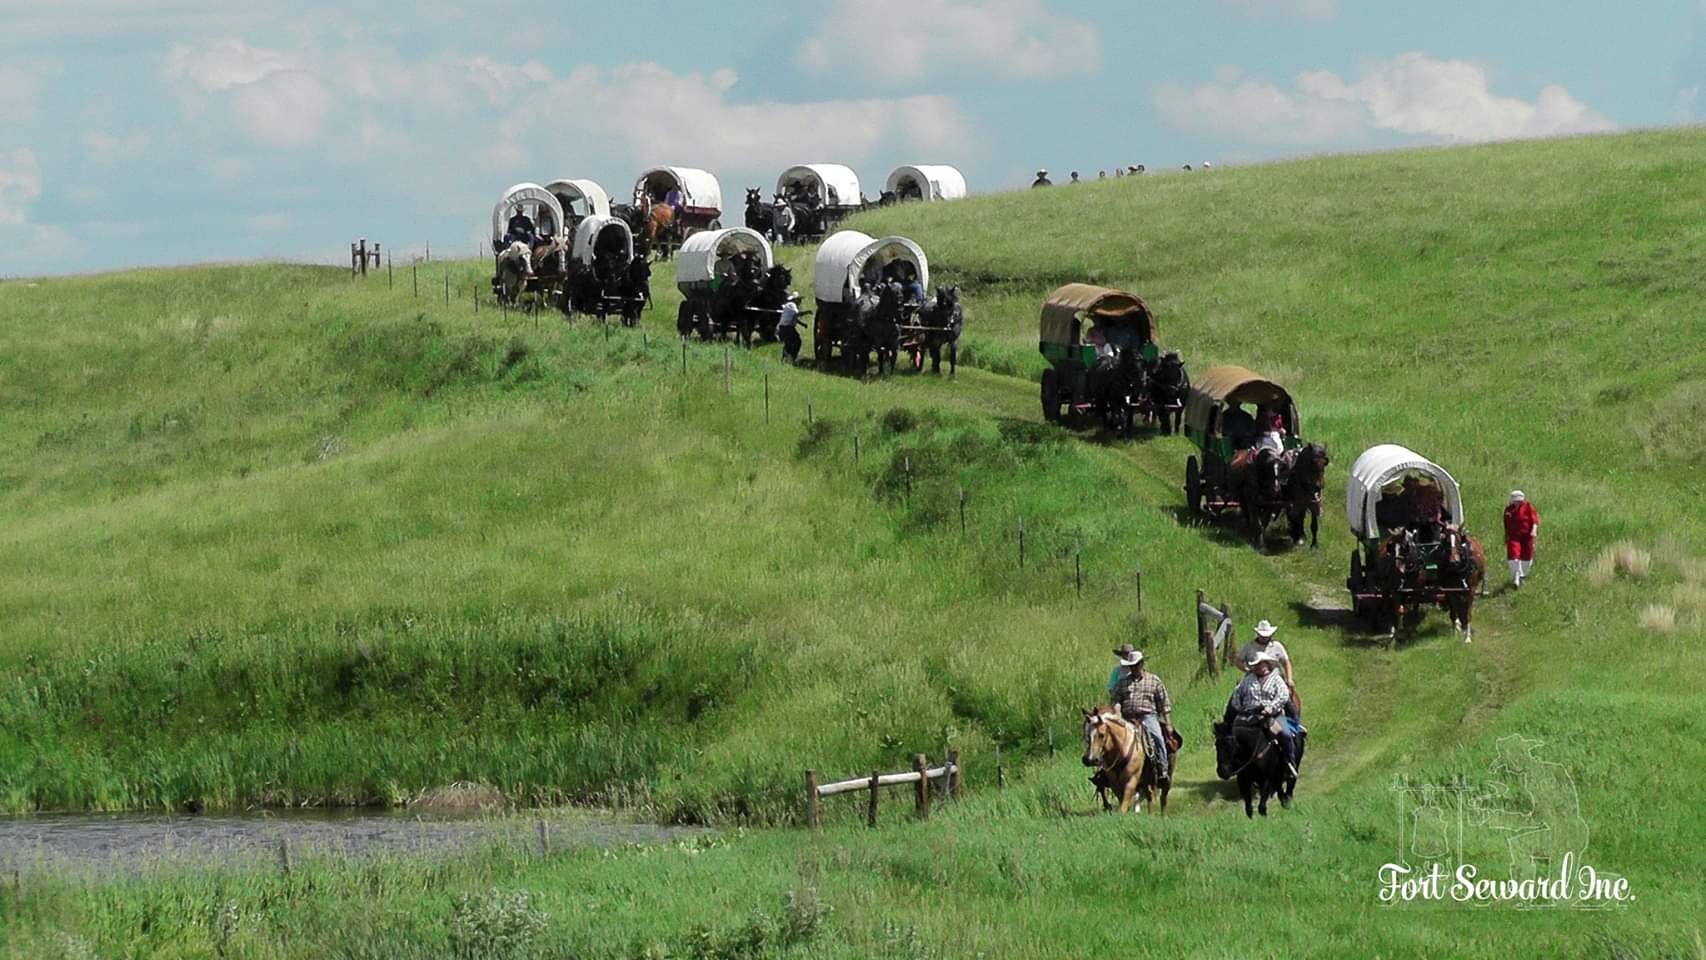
(1060, 323)
(592, 229)
(834, 184)
(1230, 386)
(1380, 466)
(843, 259)
(697, 261)
(521, 195)
(699, 188)
(931, 182)
(583, 193)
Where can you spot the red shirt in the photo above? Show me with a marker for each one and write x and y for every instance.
(1520, 521)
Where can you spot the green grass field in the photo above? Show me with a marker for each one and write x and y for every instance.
(277, 537)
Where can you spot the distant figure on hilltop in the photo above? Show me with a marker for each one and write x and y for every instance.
(1075, 179)
(1042, 180)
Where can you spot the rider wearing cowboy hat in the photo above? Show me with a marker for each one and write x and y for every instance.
(1261, 698)
(1264, 642)
(1143, 700)
(1042, 180)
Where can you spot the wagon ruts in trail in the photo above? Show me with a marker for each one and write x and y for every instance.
(1251, 459)
(1412, 549)
(1104, 361)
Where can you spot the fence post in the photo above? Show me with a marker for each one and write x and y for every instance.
(1000, 771)
(954, 773)
(811, 800)
(1021, 543)
(544, 837)
(962, 512)
(429, 251)
(855, 443)
(908, 469)
(921, 794)
(871, 811)
(415, 273)
(684, 356)
(352, 256)
(1205, 642)
(1137, 583)
(1078, 568)
(284, 855)
(1231, 639)
(808, 409)
(390, 278)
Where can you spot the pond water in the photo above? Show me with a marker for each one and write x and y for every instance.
(133, 841)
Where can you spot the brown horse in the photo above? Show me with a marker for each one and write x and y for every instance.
(1303, 492)
(660, 227)
(1119, 751)
(1466, 563)
(1398, 567)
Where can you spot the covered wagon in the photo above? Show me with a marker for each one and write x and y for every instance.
(818, 196)
(1246, 430)
(855, 279)
(579, 199)
(605, 276)
(730, 285)
(1104, 361)
(1412, 552)
(529, 244)
(925, 182)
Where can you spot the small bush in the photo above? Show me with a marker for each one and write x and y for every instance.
(495, 925)
(900, 420)
(1690, 596)
(1622, 558)
(816, 435)
(1658, 618)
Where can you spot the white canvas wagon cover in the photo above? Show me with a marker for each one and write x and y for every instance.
(590, 196)
(520, 195)
(844, 257)
(592, 229)
(834, 184)
(700, 189)
(697, 260)
(932, 181)
(1379, 467)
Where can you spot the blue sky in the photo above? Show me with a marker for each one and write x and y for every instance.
(169, 132)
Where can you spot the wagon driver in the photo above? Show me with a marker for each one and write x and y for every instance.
(1143, 700)
(1522, 527)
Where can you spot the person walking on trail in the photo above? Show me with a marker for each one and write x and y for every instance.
(1522, 526)
(1143, 700)
(1042, 180)
(787, 328)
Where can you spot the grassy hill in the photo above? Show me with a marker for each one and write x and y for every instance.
(278, 537)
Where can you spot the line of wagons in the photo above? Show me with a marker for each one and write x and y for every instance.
(1252, 460)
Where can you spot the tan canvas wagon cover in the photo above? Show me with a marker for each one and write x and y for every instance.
(1060, 323)
(1228, 386)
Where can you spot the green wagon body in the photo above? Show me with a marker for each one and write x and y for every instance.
(1222, 390)
(1066, 384)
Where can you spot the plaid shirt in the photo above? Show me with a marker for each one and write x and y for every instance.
(1254, 694)
(1145, 694)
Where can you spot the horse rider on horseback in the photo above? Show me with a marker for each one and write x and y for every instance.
(1264, 642)
(1143, 701)
(1261, 699)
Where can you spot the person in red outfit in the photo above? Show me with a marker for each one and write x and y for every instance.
(1522, 525)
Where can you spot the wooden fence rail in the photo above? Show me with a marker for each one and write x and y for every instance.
(1214, 633)
(919, 776)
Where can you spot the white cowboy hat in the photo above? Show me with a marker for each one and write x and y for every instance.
(1262, 657)
(1517, 496)
(1132, 659)
(1266, 629)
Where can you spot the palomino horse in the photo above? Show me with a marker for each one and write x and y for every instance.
(1120, 753)
(1303, 492)
(1464, 562)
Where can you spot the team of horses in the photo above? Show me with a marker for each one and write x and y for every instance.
(1413, 563)
(1271, 485)
(799, 218)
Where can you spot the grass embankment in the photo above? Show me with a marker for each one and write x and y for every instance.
(283, 539)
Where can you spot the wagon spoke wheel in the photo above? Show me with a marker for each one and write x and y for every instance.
(1354, 582)
(1051, 395)
(1193, 486)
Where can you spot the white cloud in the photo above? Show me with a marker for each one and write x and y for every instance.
(283, 109)
(905, 40)
(104, 148)
(650, 114)
(1413, 95)
(20, 185)
(18, 91)
(1311, 9)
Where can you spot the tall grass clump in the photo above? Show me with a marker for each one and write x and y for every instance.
(1620, 559)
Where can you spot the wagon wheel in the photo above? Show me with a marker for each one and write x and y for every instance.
(1051, 395)
(1355, 581)
(1193, 486)
(684, 319)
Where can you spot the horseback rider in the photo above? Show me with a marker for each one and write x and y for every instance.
(1143, 700)
(1042, 180)
(1264, 642)
(1260, 699)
